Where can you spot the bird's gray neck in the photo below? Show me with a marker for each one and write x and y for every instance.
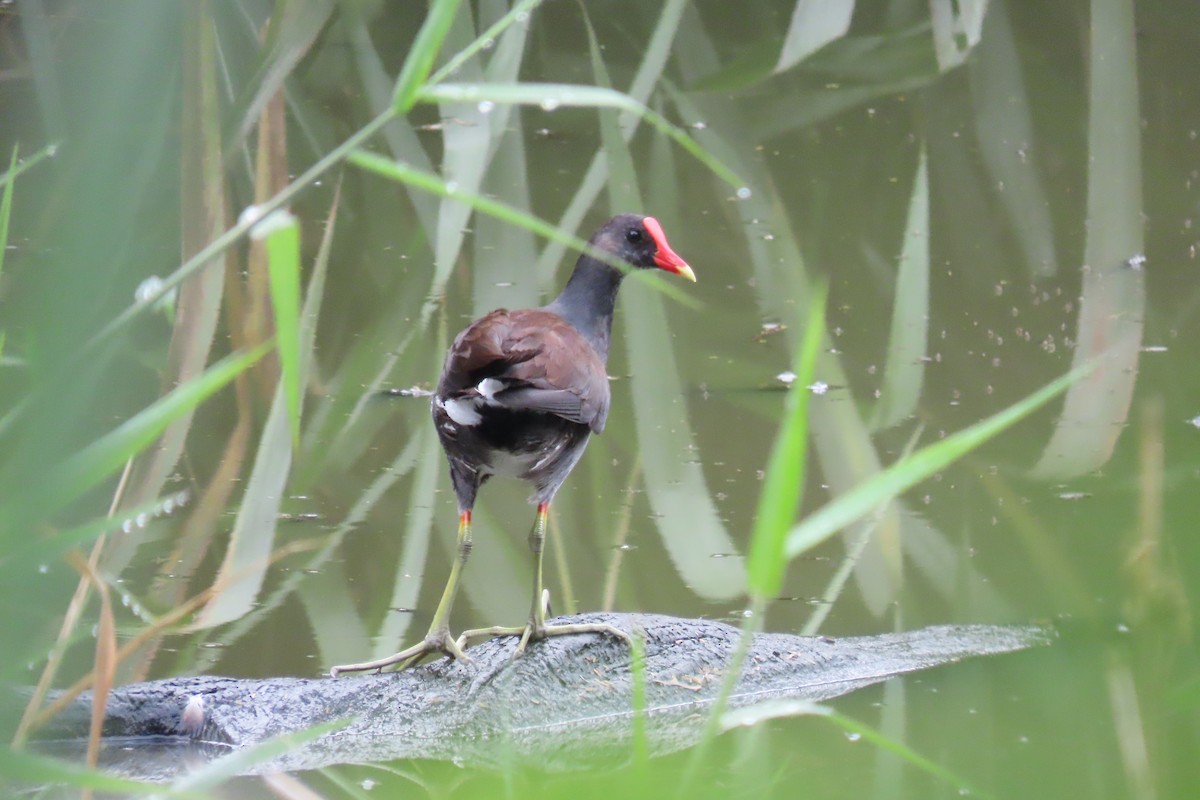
(588, 300)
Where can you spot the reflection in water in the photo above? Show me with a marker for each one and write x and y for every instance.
(1113, 296)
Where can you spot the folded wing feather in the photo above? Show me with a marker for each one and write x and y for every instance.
(504, 360)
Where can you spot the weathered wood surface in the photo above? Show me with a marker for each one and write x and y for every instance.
(567, 701)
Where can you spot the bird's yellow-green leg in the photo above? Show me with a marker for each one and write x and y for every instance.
(438, 638)
(537, 628)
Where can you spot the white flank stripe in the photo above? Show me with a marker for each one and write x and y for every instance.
(489, 386)
(461, 411)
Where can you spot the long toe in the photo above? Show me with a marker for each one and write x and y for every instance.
(494, 632)
(532, 633)
(434, 643)
(595, 627)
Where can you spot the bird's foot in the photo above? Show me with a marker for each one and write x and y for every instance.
(534, 630)
(435, 642)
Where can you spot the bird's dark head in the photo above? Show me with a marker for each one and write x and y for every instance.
(641, 242)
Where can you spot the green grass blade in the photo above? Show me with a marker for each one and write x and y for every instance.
(20, 555)
(424, 51)
(554, 95)
(783, 488)
(485, 40)
(104, 456)
(17, 169)
(283, 267)
(904, 373)
(399, 171)
(637, 668)
(908, 472)
(6, 208)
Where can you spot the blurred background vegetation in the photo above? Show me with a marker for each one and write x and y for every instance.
(994, 190)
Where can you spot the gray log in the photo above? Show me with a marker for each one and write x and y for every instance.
(568, 700)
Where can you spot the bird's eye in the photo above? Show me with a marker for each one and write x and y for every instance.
(633, 235)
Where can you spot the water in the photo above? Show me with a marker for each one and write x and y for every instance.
(980, 229)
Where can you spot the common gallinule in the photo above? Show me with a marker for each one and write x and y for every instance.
(520, 394)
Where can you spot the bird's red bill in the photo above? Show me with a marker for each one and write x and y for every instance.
(666, 258)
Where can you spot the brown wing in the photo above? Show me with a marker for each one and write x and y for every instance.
(480, 351)
(541, 362)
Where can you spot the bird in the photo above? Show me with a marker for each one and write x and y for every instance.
(520, 395)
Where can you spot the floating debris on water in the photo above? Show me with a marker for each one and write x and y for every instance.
(769, 329)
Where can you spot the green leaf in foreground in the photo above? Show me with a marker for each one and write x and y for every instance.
(30, 549)
(18, 168)
(554, 95)
(783, 488)
(908, 472)
(485, 40)
(283, 266)
(6, 208)
(104, 456)
(421, 56)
